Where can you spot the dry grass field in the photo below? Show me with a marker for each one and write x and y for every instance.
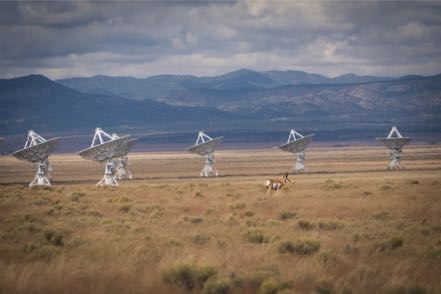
(349, 226)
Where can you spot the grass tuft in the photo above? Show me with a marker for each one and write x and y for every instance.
(286, 215)
(299, 248)
(199, 239)
(255, 236)
(187, 276)
(54, 237)
(324, 287)
(330, 225)
(125, 208)
(305, 225)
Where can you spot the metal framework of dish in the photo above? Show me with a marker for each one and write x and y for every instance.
(122, 161)
(37, 150)
(204, 146)
(101, 150)
(297, 143)
(394, 142)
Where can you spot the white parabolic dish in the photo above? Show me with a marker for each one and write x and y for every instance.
(395, 143)
(205, 148)
(37, 152)
(107, 150)
(297, 145)
(129, 144)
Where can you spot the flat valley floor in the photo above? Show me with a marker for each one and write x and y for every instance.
(348, 226)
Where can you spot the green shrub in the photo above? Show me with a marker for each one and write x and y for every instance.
(286, 215)
(54, 237)
(238, 206)
(300, 247)
(396, 242)
(188, 276)
(216, 285)
(74, 198)
(386, 187)
(199, 239)
(330, 225)
(40, 202)
(273, 286)
(125, 208)
(196, 220)
(408, 290)
(248, 213)
(330, 184)
(255, 236)
(382, 215)
(305, 225)
(392, 244)
(81, 194)
(324, 287)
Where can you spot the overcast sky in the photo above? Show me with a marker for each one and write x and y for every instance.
(144, 38)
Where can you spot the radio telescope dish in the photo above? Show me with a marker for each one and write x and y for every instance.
(122, 160)
(394, 142)
(37, 150)
(205, 146)
(297, 143)
(101, 150)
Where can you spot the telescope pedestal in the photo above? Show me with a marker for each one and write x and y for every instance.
(121, 169)
(109, 177)
(299, 167)
(395, 159)
(209, 169)
(42, 176)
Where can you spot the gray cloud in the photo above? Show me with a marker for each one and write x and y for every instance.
(64, 39)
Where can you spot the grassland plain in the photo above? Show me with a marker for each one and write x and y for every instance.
(350, 228)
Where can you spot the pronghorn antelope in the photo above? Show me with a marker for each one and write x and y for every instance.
(277, 184)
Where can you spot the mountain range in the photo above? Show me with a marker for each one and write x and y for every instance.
(247, 105)
(37, 102)
(243, 79)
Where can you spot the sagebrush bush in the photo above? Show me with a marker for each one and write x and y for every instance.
(396, 242)
(199, 239)
(386, 187)
(304, 224)
(188, 276)
(125, 208)
(300, 247)
(77, 194)
(255, 236)
(54, 237)
(217, 285)
(248, 213)
(391, 244)
(285, 215)
(272, 285)
(408, 290)
(330, 184)
(330, 225)
(238, 206)
(324, 287)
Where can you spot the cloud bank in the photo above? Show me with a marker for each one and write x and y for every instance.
(66, 39)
